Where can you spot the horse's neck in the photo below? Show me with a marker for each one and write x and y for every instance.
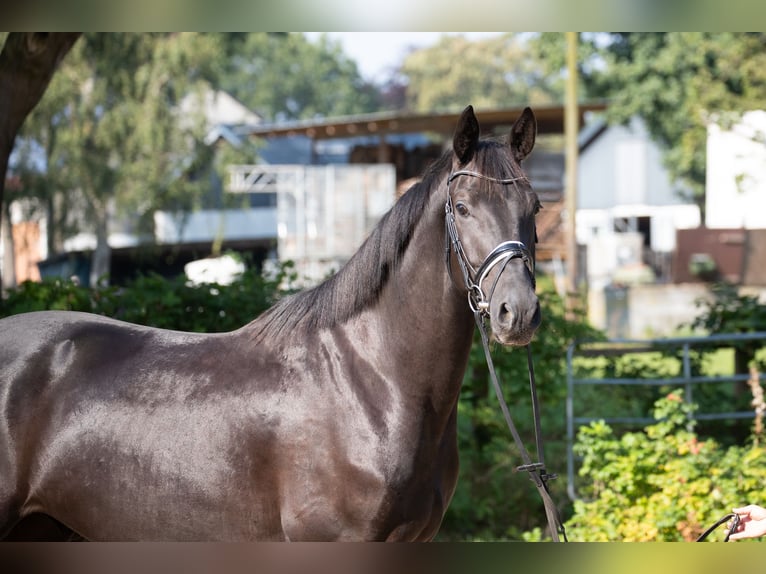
(423, 323)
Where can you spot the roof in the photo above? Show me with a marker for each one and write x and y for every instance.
(550, 120)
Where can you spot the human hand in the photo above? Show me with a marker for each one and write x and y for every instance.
(752, 522)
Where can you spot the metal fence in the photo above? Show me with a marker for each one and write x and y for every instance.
(685, 378)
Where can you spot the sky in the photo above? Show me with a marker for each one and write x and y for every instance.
(376, 53)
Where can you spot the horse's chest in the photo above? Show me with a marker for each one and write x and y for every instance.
(423, 498)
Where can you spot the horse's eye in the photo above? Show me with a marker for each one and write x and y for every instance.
(461, 208)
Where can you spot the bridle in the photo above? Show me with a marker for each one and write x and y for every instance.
(478, 301)
(503, 253)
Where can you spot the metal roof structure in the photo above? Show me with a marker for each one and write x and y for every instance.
(550, 120)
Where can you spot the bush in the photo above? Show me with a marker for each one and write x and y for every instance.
(56, 294)
(160, 302)
(661, 484)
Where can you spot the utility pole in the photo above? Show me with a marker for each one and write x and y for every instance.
(571, 127)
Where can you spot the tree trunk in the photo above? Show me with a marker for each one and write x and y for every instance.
(100, 262)
(27, 63)
(8, 277)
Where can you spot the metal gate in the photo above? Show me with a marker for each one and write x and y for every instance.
(685, 378)
(324, 212)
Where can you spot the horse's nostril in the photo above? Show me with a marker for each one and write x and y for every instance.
(507, 317)
(537, 316)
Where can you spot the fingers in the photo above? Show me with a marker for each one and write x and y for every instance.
(737, 536)
(750, 511)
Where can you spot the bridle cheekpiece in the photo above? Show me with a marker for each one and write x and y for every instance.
(503, 253)
(479, 303)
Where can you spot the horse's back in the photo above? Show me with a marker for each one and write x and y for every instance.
(44, 354)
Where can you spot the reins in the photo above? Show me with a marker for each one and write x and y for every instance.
(735, 519)
(479, 304)
(478, 301)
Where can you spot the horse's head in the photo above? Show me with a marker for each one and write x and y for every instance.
(490, 218)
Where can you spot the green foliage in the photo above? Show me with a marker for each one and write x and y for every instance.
(729, 311)
(116, 136)
(54, 294)
(160, 302)
(663, 483)
(284, 76)
(493, 73)
(621, 400)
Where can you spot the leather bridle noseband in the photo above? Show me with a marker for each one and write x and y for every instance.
(503, 254)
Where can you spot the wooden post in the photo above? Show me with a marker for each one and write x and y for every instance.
(571, 127)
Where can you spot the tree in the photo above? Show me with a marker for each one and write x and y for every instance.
(496, 72)
(116, 140)
(726, 310)
(678, 83)
(284, 76)
(27, 64)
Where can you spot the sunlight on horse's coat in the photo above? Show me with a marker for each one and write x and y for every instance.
(333, 416)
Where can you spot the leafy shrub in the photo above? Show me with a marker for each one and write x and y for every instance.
(57, 294)
(160, 302)
(663, 483)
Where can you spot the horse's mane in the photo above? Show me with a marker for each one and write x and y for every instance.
(360, 281)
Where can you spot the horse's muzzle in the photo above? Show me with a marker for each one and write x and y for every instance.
(515, 321)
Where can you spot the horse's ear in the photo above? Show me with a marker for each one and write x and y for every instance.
(523, 133)
(466, 135)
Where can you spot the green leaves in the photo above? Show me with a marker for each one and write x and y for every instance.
(661, 484)
(159, 302)
(115, 139)
(287, 77)
(493, 73)
(728, 310)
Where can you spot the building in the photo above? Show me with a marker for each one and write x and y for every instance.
(628, 208)
(629, 211)
(286, 201)
(732, 244)
(735, 191)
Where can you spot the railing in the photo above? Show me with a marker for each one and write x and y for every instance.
(685, 378)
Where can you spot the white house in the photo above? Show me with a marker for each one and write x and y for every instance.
(628, 213)
(628, 208)
(735, 191)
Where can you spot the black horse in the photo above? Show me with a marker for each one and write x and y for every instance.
(330, 417)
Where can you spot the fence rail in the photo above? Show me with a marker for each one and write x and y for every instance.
(622, 347)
